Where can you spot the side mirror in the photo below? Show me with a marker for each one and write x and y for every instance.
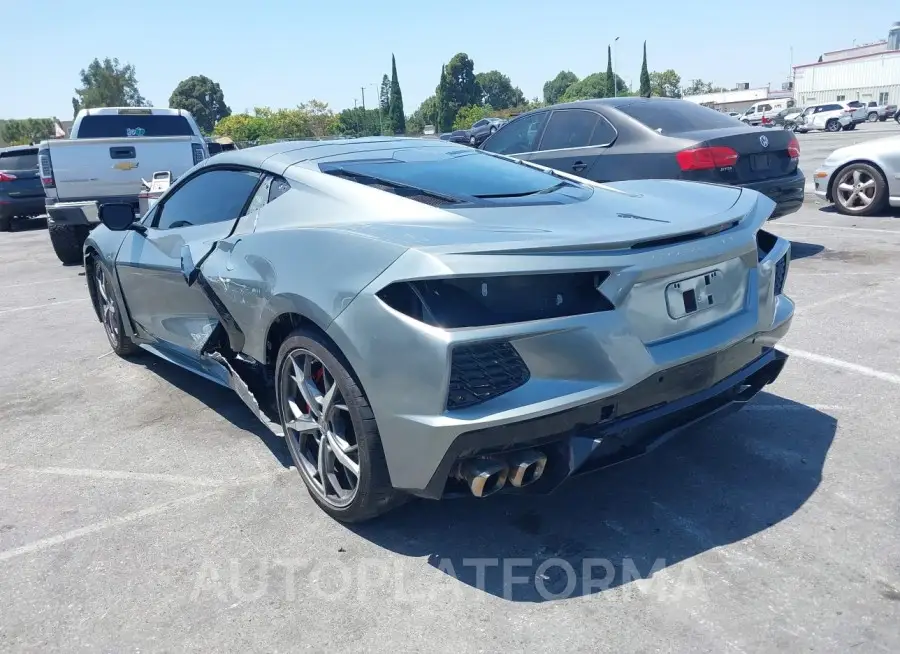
(117, 216)
(189, 270)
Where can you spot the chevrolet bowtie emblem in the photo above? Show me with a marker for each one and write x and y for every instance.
(126, 165)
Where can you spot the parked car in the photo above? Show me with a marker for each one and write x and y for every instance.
(460, 136)
(616, 139)
(21, 193)
(858, 113)
(502, 326)
(831, 117)
(765, 110)
(880, 112)
(484, 128)
(103, 160)
(861, 179)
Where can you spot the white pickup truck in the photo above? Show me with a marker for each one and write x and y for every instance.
(109, 152)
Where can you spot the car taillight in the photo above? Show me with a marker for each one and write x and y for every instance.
(718, 156)
(199, 154)
(6, 177)
(793, 148)
(46, 169)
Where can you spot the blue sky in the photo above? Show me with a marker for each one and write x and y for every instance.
(280, 53)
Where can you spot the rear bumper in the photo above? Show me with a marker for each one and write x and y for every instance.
(786, 192)
(82, 212)
(592, 437)
(12, 207)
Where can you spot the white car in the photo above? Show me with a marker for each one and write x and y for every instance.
(831, 117)
(861, 179)
(858, 112)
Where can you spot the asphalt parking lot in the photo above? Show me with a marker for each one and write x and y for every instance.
(143, 509)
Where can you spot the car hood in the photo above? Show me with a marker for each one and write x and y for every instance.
(616, 215)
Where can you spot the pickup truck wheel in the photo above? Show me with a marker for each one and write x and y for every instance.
(5, 224)
(68, 242)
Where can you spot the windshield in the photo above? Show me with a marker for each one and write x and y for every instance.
(453, 173)
(675, 116)
(117, 126)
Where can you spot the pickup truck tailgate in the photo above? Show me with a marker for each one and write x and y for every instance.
(113, 167)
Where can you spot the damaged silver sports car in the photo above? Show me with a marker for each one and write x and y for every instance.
(418, 318)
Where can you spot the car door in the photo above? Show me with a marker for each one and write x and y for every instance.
(519, 136)
(197, 213)
(573, 140)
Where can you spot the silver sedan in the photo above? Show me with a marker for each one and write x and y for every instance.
(861, 179)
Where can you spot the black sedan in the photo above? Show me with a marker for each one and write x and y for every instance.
(616, 139)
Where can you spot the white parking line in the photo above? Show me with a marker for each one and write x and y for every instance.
(845, 365)
(46, 543)
(44, 306)
(848, 229)
(43, 281)
(51, 541)
(115, 475)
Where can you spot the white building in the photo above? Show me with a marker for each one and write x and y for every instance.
(865, 73)
(737, 100)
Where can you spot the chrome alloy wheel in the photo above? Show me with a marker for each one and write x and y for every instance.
(319, 428)
(109, 311)
(855, 189)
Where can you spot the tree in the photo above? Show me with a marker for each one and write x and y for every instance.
(396, 117)
(665, 84)
(322, 120)
(384, 95)
(27, 131)
(468, 116)
(203, 98)
(498, 92)
(595, 85)
(554, 89)
(361, 122)
(108, 84)
(699, 87)
(612, 88)
(458, 88)
(426, 114)
(645, 76)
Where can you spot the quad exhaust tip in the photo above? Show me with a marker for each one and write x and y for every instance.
(526, 467)
(484, 476)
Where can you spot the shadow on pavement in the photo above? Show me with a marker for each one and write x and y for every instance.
(801, 250)
(223, 401)
(29, 225)
(714, 486)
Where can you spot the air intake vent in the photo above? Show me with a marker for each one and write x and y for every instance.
(482, 371)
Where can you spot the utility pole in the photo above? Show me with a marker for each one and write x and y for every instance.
(615, 76)
(363, 90)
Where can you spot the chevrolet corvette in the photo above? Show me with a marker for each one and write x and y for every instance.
(419, 318)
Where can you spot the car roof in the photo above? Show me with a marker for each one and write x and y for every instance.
(600, 103)
(276, 157)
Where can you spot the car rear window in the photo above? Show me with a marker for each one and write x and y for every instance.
(455, 174)
(675, 117)
(117, 126)
(19, 160)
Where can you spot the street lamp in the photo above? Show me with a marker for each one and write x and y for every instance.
(615, 79)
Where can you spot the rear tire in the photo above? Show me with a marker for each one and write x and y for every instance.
(872, 117)
(68, 242)
(372, 494)
(832, 125)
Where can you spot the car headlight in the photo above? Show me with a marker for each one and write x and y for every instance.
(457, 302)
